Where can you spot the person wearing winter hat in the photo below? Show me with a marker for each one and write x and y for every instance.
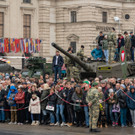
(123, 105)
(11, 102)
(131, 103)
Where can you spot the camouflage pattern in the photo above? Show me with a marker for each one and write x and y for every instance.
(112, 40)
(80, 54)
(93, 97)
(72, 69)
(128, 47)
(76, 74)
(69, 64)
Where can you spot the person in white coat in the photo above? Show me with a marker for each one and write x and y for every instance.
(35, 109)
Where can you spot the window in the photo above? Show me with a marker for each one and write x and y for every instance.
(73, 17)
(26, 1)
(104, 17)
(27, 26)
(1, 24)
(73, 45)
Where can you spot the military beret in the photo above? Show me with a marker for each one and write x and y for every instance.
(94, 84)
(87, 82)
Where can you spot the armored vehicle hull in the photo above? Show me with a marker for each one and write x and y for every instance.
(97, 68)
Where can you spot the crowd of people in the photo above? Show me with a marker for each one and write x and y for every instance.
(65, 103)
(109, 45)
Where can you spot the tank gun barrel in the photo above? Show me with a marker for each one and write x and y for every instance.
(84, 65)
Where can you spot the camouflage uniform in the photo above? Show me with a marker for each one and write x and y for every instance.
(69, 65)
(93, 97)
(76, 73)
(128, 47)
(112, 44)
(80, 54)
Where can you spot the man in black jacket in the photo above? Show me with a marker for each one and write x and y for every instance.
(132, 45)
(57, 64)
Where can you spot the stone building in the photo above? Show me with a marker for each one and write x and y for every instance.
(66, 22)
(77, 22)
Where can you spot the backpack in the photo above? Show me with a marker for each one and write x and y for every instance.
(11, 102)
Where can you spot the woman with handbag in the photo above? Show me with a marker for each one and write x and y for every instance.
(77, 98)
(45, 92)
(51, 105)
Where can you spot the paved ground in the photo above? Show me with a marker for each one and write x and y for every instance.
(6, 129)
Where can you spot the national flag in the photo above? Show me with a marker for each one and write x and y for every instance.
(33, 45)
(30, 46)
(6, 49)
(9, 45)
(22, 45)
(26, 45)
(0, 45)
(17, 45)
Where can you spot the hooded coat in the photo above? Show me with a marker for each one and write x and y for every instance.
(12, 95)
(130, 102)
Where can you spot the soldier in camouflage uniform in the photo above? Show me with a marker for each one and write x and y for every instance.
(93, 98)
(80, 53)
(69, 65)
(112, 42)
(127, 46)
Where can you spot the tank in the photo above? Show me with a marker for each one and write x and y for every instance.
(6, 68)
(36, 66)
(97, 68)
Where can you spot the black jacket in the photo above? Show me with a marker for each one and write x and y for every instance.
(100, 39)
(52, 100)
(133, 41)
(60, 61)
(2, 94)
(69, 94)
(84, 98)
(61, 94)
(122, 99)
(44, 94)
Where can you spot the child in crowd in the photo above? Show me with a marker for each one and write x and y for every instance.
(35, 109)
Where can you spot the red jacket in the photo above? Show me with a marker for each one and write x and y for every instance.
(20, 98)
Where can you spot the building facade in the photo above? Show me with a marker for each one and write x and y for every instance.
(66, 22)
(77, 22)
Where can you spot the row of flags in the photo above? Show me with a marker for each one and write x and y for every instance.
(26, 45)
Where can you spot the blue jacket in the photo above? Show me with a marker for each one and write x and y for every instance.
(97, 53)
(130, 103)
(10, 92)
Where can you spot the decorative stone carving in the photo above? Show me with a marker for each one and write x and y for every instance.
(73, 37)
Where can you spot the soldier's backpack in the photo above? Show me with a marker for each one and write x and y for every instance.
(109, 37)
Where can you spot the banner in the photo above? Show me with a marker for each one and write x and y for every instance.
(123, 61)
(8, 45)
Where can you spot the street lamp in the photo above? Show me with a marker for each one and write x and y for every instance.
(117, 19)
